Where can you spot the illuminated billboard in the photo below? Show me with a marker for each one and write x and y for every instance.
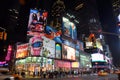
(22, 51)
(68, 43)
(9, 53)
(58, 51)
(53, 34)
(77, 55)
(69, 28)
(85, 60)
(37, 22)
(97, 57)
(75, 64)
(48, 49)
(62, 64)
(99, 44)
(36, 44)
(79, 46)
(68, 52)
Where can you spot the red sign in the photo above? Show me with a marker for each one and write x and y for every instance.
(22, 51)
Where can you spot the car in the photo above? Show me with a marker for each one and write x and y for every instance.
(102, 73)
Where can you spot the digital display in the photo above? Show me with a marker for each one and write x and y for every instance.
(97, 57)
(36, 44)
(85, 60)
(68, 52)
(62, 64)
(77, 55)
(68, 43)
(53, 34)
(48, 49)
(69, 28)
(79, 46)
(75, 64)
(37, 22)
(22, 51)
(58, 50)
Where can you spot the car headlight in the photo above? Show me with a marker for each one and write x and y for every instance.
(11, 78)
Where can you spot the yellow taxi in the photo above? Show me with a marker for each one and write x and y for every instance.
(102, 73)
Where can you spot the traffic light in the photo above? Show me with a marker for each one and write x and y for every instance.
(1, 35)
(5, 36)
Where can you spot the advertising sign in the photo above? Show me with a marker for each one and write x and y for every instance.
(22, 51)
(77, 55)
(48, 49)
(68, 43)
(36, 44)
(53, 34)
(68, 52)
(9, 53)
(58, 50)
(62, 64)
(75, 64)
(85, 61)
(69, 29)
(37, 22)
(79, 46)
(97, 57)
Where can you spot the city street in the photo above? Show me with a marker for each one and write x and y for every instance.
(84, 77)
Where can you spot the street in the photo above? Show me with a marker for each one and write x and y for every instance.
(84, 77)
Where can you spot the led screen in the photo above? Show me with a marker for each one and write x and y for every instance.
(69, 29)
(77, 55)
(79, 46)
(22, 51)
(99, 44)
(62, 64)
(37, 22)
(48, 49)
(53, 34)
(58, 50)
(97, 57)
(85, 60)
(68, 52)
(75, 64)
(36, 44)
(68, 43)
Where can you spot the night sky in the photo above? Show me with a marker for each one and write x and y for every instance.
(104, 9)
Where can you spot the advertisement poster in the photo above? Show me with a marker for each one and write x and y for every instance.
(69, 29)
(85, 61)
(62, 64)
(58, 51)
(53, 34)
(68, 52)
(68, 43)
(22, 51)
(77, 55)
(97, 57)
(79, 46)
(36, 44)
(48, 49)
(75, 64)
(37, 22)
